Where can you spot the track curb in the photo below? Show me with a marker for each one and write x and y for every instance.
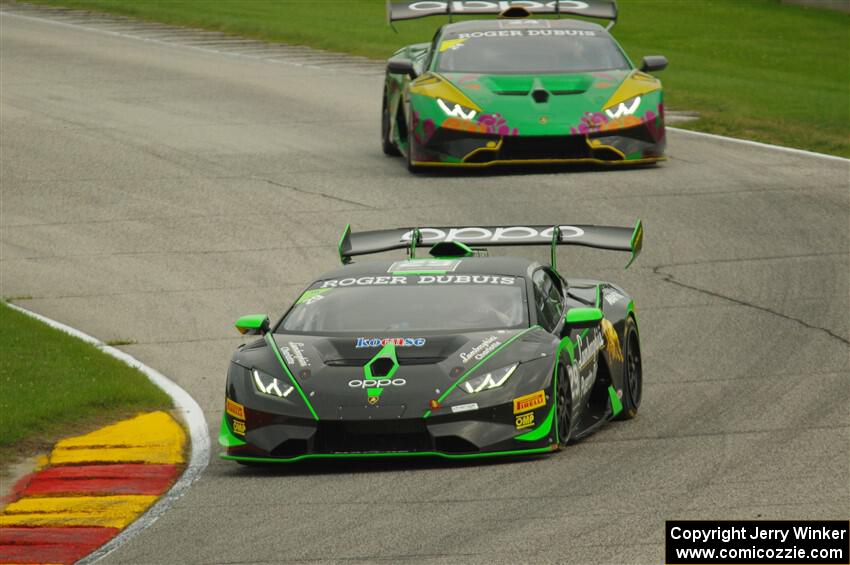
(186, 407)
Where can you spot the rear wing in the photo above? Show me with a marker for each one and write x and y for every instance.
(602, 9)
(600, 237)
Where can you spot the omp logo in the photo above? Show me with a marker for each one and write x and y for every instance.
(486, 235)
(457, 111)
(525, 420)
(623, 109)
(460, 6)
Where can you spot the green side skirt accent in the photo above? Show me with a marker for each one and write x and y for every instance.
(616, 405)
(226, 437)
(536, 450)
(541, 431)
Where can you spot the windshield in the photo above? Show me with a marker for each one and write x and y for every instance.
(529, 52)
(450, 303)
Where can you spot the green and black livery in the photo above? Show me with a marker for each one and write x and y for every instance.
(520, 90)
(456, 354)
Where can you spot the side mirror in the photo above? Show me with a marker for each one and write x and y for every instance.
(401, 67)
(653, 63)
(256, 324)
(583, 317)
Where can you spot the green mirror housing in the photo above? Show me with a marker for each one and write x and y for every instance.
(256, 324)
(583, 317)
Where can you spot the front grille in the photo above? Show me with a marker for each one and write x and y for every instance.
(372, 436)
(544, 147)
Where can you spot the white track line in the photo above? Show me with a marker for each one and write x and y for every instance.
(188, 409)
(761, 145)
(161, 42)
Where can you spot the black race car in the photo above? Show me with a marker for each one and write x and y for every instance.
(456, 355)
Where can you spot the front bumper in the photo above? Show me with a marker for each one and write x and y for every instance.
(641, 144)
(488, 432)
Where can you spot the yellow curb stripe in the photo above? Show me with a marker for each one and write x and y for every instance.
(152, 429)
(117, 455)
(108, 511)
(148, 438)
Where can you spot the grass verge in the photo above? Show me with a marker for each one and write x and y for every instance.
(55, 385)
(755, 69)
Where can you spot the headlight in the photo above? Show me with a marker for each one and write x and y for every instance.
(267, 384)
(493, 379)
(456, 110)
(623, 109)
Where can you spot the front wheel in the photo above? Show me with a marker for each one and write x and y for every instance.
(632, 372)
(564, 406)
(410, 166)
(387, 145)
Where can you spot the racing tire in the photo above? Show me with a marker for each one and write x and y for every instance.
(389, 148)
(563, 407)
(632, 372)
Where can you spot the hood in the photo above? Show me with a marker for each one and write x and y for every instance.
(331, 370)
(556, 104)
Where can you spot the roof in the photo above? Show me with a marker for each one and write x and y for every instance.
(509, 266)
(496, 25)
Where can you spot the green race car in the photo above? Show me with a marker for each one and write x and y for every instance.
(518, 90)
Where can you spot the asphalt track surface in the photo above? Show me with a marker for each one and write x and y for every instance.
(155, 193)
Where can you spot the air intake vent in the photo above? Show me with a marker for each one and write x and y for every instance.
(540, 96)
(382, 367)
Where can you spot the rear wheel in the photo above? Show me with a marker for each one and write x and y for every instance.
(632, 372)
(564, 405)
(387, 145)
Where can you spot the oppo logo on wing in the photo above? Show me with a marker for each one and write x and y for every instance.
(460, 6)
(376, 383)
(483, 235)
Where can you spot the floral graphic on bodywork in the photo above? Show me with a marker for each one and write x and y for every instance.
(596, 122)
(496, 124)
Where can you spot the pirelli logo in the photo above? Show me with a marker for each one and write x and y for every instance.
(238, 411)
(529, 402)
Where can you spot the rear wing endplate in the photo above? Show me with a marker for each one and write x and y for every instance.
(602, 9)
(600, 237)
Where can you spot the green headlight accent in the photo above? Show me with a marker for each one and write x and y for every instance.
(475, 368)
(536, 450)
(386, 352)
(273, 346)
(226, 437)
(542, 430)
(616, 405)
